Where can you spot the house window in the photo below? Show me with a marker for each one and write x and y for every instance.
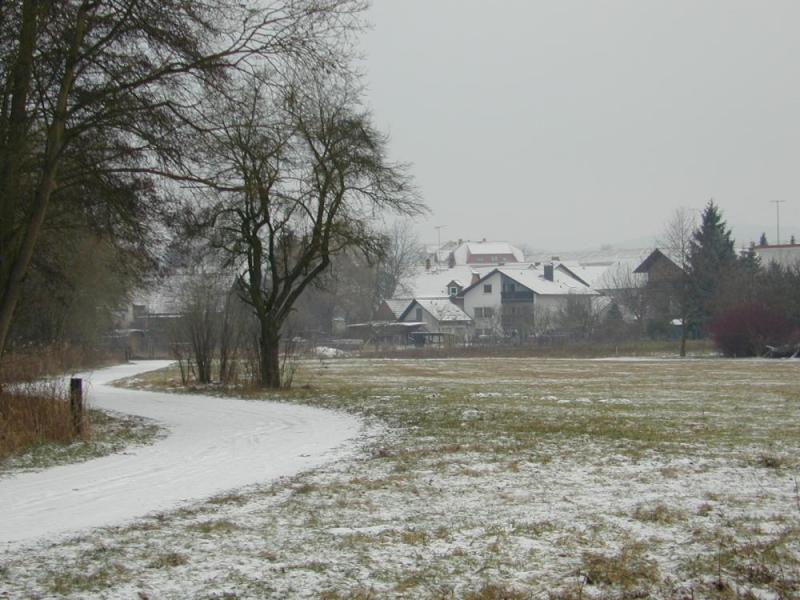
(487, 288)
(419, 314)
(484, 312)
(454, 291)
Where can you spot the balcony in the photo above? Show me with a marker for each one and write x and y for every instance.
(516, 296)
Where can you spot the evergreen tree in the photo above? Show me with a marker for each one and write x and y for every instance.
(749, 261)
(711, 259)
(791, 240)
(762, 241)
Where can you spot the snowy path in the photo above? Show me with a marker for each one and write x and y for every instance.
(213, 445)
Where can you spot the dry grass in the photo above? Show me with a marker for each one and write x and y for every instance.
(36, 362)
(629, 568)
(35, 414)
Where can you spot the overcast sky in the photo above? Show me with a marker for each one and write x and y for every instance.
(569, 124)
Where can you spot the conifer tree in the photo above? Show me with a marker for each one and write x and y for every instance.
(762, 241)
(711, 257)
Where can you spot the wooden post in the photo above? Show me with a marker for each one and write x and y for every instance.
(76, 405)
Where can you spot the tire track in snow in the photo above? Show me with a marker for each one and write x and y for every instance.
(213, 445)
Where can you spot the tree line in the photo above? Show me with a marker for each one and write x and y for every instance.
(241, 124)
(714, 291)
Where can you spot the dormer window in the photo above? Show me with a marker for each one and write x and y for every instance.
(453, 290)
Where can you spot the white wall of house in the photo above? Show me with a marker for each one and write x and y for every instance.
(477, 297)
(459, 329)
(785, 255)
(431, 324)
(549, 304)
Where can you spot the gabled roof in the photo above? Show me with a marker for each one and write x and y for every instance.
(534, 280)
(532, 277)
(398, 305)
(502, 251)
(655, 255)
(440, 308)
(576, 272)
(490, 248)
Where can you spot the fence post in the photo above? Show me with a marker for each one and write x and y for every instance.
(76, 405)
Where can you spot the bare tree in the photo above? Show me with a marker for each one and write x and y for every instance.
(577, 315)
(402, 254)
(201, 302)
(628, 290)
(676, 241)
(235, 321)
(302, 176)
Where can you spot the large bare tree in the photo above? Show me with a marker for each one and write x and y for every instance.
(301, 176)
(676, 240)
(103, 95)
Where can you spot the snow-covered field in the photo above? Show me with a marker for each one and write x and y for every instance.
(490, 478)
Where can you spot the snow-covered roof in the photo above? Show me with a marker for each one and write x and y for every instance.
(619, 276)
(605, 277)
(606, 255)
(440, 308)
(491, 249)
(533, 278)
(435, 281)
(397, 306)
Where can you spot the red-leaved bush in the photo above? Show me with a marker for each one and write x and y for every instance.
(747, 329)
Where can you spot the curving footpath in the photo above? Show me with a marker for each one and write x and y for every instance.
(213, 445)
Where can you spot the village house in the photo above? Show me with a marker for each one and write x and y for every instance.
(521, 301)
(487, 253)
(663, 275)
(785, 255)
(442, 321)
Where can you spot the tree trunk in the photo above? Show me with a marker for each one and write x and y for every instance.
(270, 366)
(683, 338)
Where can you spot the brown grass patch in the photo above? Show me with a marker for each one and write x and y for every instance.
(36, 415)
(628, 569)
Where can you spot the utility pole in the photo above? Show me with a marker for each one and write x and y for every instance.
(777, 204)
(438, 229)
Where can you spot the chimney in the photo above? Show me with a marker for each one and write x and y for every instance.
(475, 279)
(548, 271)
